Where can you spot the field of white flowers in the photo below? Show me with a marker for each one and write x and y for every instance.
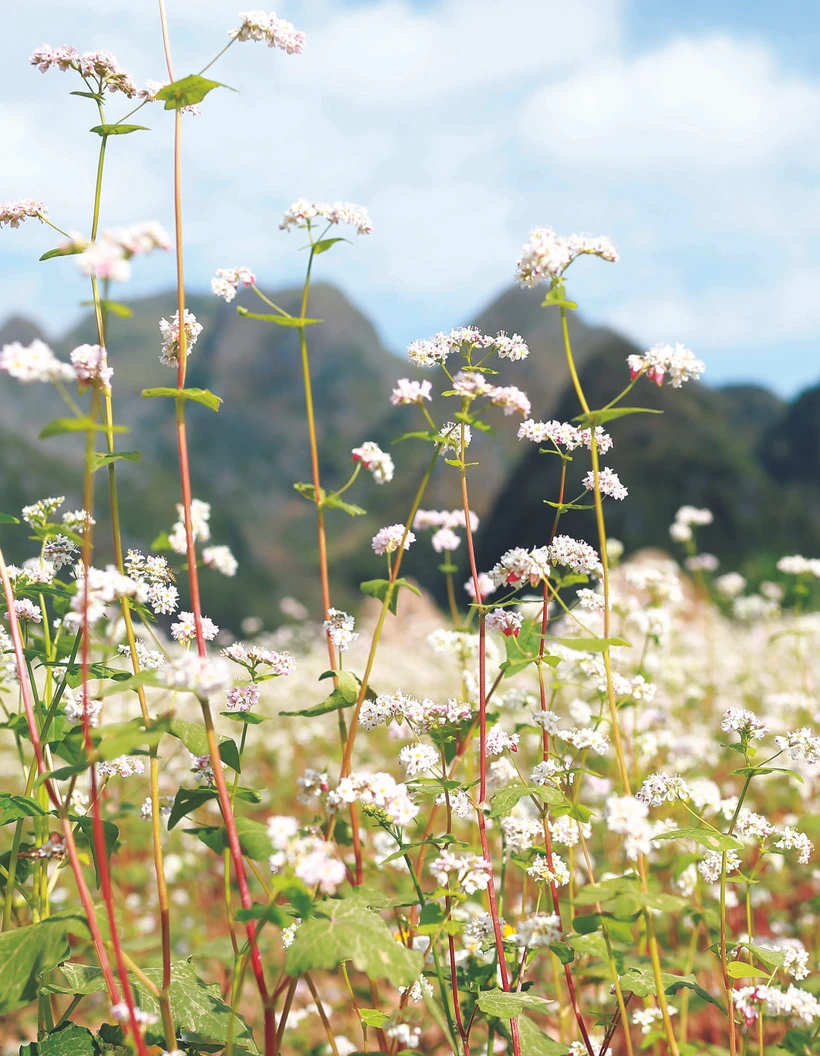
(572, 814)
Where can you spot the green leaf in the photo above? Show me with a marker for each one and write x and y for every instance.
(267, 912)
(755, 771)
(743, 970)
(557, 298)
(345, 694)
(688, 982)
(203, 396)
(534, 1042)
(114, 307)
(100, 459)
(14, 808)
(111, 833)
(593, 945)
(345, 930)
(335, 503)
(118, 130)
(327, 243)
(708, 838)
(71, 250)
(564, 953)
(190, 799)
(6, 518)
(503, 1005)
(59, 426)
(295, 322)
(506, 798)
(69, 1039)
(27, 952)
(599, 417)
(380, 588)
(774, 958)
(195, 739)
(373, 1017)
(588, 645)
(128, 736)
(188, 91)
(196, 1005)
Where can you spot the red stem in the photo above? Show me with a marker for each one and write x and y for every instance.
(71, 846)
(482, 719)
(193, 580)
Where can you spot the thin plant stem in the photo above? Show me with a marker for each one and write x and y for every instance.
(193, 578)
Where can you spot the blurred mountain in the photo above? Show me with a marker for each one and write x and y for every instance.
(734, 449)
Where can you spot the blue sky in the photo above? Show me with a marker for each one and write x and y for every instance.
(688, 132)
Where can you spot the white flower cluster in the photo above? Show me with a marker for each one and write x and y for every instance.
(388, 540)
(505, 622)
(375, 790)
(170, 334)
(228, 280)
(541, 929)
(418, 758)
(15, 212)
(407, 392)
(659, 788)
(421, 715)
(686, 518)
(155, 573)
(34, 362)
(339, 627)
(221, 559)
(204, 676)
(800, 744)
(432, 351)
(472, 384)
(184, 631)
(743, 722)
(59, 550)
(259, 661)
(608, 483)
(378, 462)
(123, 766)
(541, 872)
(797, 565)
(563, 434)
(302, 211)
(100, 66)
(575, 554)
(673, 362)
(200, 525)
(794, 840)
(519, 566)
(97, 588)
(499, 741)
(467, 872)
(547, 255)
(275, 32)
(311, 858)
(794, 1003)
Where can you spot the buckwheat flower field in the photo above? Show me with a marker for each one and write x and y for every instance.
(569, 811)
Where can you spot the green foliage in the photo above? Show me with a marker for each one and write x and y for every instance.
(506, 798)
(203, 396)
(345, 930)
(294, 322)
(117, 130)
(69, 1039)
(345, 694)
(196, 1005)
(187, 91)
(100, 459)
(195, 739)
(534, 1042)
(61, 426)
(14, 808)
(508, 1005)
(381, 589)
(711, 839)
(29, 951)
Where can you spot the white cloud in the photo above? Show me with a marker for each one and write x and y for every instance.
(711, 103)
(461, 124)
